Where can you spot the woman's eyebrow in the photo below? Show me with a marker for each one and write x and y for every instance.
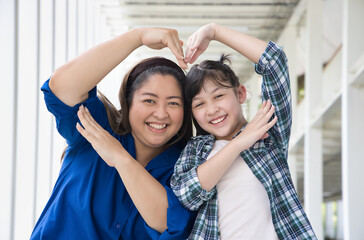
(171, 97)
(150, 94)
(156, 96)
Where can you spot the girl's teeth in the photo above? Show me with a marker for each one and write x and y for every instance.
(157, 126)
(218, 120)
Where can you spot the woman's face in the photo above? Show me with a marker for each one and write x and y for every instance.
(156, 111)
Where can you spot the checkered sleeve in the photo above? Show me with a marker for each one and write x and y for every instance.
(272, 65)
(185, 183)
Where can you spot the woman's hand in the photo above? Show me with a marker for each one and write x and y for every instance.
(198, 42)
(108, 147)
(158, 38)
(138, 182)
(257, 128)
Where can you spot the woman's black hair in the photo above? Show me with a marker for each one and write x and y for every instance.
(217, 71)
(133, 80)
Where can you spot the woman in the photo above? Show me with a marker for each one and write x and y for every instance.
(114, 179)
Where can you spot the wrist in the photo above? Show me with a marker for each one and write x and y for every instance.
(214, 28)
(122, 162)
(137, 34)
(238, 144)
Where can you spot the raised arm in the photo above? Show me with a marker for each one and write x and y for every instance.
(273, 67)
(193, 182)
(210, 172)
(251, 47)
(148, 195)
(72, 81)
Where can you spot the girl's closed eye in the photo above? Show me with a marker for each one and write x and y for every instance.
(219, 96)
(198, 104)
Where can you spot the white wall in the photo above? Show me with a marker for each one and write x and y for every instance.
(40, 35)
(339, 39)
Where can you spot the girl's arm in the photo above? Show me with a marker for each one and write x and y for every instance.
(210, 172)
(147, 194)
(251, 47)
(72, 81)
(273, 67)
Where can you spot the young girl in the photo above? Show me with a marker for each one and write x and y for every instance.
(114, 179)
(236, 175)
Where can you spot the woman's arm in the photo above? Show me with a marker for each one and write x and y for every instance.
(72, 81)
(251, 47)
(147, 194)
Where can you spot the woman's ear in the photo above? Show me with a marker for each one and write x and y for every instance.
(241, 93)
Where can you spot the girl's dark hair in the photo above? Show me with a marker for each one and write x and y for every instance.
(217, 71)
(133, 80)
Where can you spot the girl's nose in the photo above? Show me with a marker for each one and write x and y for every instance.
(212, 108)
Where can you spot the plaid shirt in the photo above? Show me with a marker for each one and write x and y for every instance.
(266, 158)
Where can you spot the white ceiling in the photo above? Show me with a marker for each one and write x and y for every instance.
(264, 19)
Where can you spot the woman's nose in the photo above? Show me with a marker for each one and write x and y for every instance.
(161, 112)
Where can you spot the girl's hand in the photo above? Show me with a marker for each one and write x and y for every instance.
(158, 38)
(198, 42)
(108, 147)
(257, 128)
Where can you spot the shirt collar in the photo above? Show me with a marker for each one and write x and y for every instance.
(165, 159)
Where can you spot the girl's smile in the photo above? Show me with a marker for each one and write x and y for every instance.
(218, 120)
(218, 110)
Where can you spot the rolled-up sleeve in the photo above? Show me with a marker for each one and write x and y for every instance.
(179, 220)
(185, 182)
(273, 67)
(66, 116)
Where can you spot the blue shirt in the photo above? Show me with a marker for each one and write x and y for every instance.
(89, 199)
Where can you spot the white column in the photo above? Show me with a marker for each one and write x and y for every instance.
(353, 119)
(90, 23)
(8, 82)
(340, 231)
(26, 140)
(72, 29)
(82, 27)
(313, 175)
(330, 226)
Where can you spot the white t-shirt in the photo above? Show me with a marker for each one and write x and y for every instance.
(244, 209)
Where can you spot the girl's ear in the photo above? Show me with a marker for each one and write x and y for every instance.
(241, 93)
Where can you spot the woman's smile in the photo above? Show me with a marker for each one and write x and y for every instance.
(156, 112)
(157, 126)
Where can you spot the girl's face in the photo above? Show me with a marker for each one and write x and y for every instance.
(156, 111)
(218, 111)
